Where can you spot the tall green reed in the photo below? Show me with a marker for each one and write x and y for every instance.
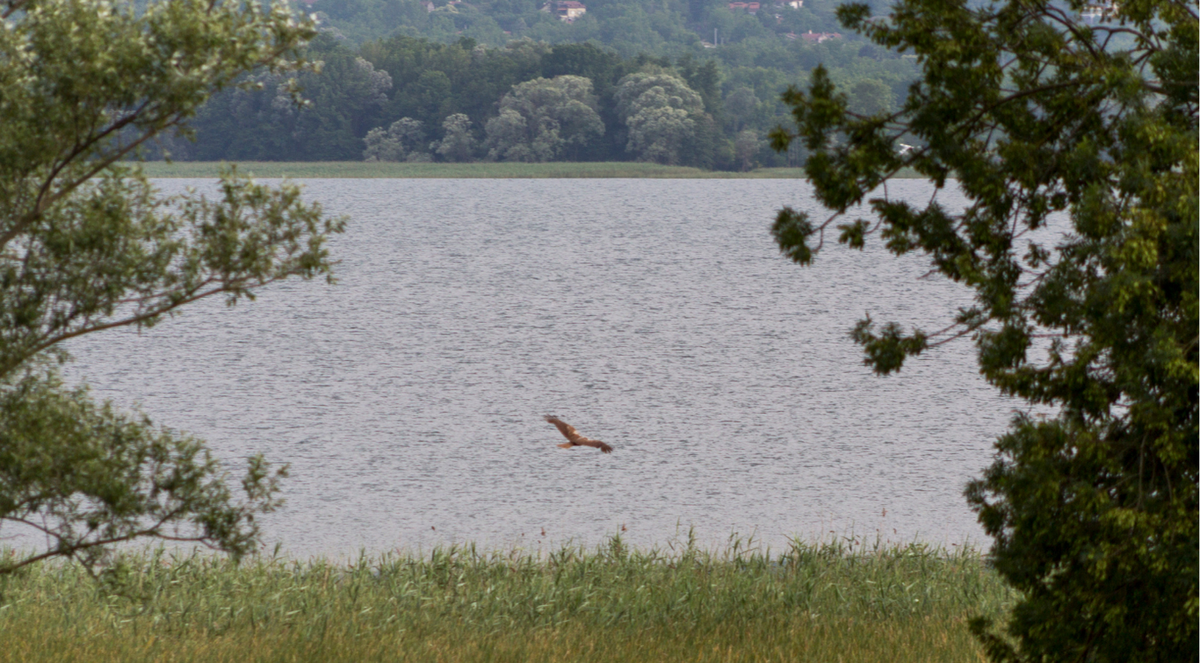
(460, 594)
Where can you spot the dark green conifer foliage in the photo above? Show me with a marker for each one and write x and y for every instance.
(1087, 130)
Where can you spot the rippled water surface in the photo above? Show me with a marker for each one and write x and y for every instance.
(654, 315)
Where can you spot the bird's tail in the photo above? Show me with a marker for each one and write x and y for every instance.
(565, 445)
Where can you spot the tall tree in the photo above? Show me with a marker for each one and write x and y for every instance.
(705, 79)
(746, 148)
(458, 144)
(541, 119)
(604, 69)
(404, 140)
(661, 112)
(1087, 132)
(87, 244)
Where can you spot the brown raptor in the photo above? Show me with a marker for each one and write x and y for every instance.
(574, 439)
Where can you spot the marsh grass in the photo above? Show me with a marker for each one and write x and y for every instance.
(839, 601)
(360, 169)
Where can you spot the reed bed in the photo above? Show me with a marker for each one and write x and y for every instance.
(359, 169)
(835, 601)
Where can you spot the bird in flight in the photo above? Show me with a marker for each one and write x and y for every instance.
(574, 439)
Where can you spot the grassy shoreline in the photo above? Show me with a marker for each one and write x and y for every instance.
(358, 169)
(811, 603)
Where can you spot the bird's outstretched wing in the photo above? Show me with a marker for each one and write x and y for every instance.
(574, 439)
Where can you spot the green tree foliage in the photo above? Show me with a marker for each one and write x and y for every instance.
(542, 118)
(870, 97)
(745, 149)
(404, 140)
(86, 244)
(430, 96)
(87, 476)
(361, 20)
(458, 59)
(661, 112)
(743, 106)
(432, 81)
(604, 68)
(344, 100)
(1076, 145)
(458, 144)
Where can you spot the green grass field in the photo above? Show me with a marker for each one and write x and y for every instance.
(358, 169)
(832, 602)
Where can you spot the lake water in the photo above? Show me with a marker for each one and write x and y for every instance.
(656, 315)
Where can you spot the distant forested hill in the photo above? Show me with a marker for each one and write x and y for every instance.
(631, 27)
(690, 82)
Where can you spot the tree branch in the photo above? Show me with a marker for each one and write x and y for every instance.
(154, 313)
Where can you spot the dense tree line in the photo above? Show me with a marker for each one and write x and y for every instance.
(397, 98)
(439, 75)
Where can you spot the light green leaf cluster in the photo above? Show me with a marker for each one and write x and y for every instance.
(540, 119)
(87, 244)
(457, 144)
(404, 140)
(661, 112)
(86, 476)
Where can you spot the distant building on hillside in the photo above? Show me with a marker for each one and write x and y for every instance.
(811, 37)
(566, 10)
(794, 4)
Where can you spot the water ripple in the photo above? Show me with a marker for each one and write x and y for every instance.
(655, 315)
